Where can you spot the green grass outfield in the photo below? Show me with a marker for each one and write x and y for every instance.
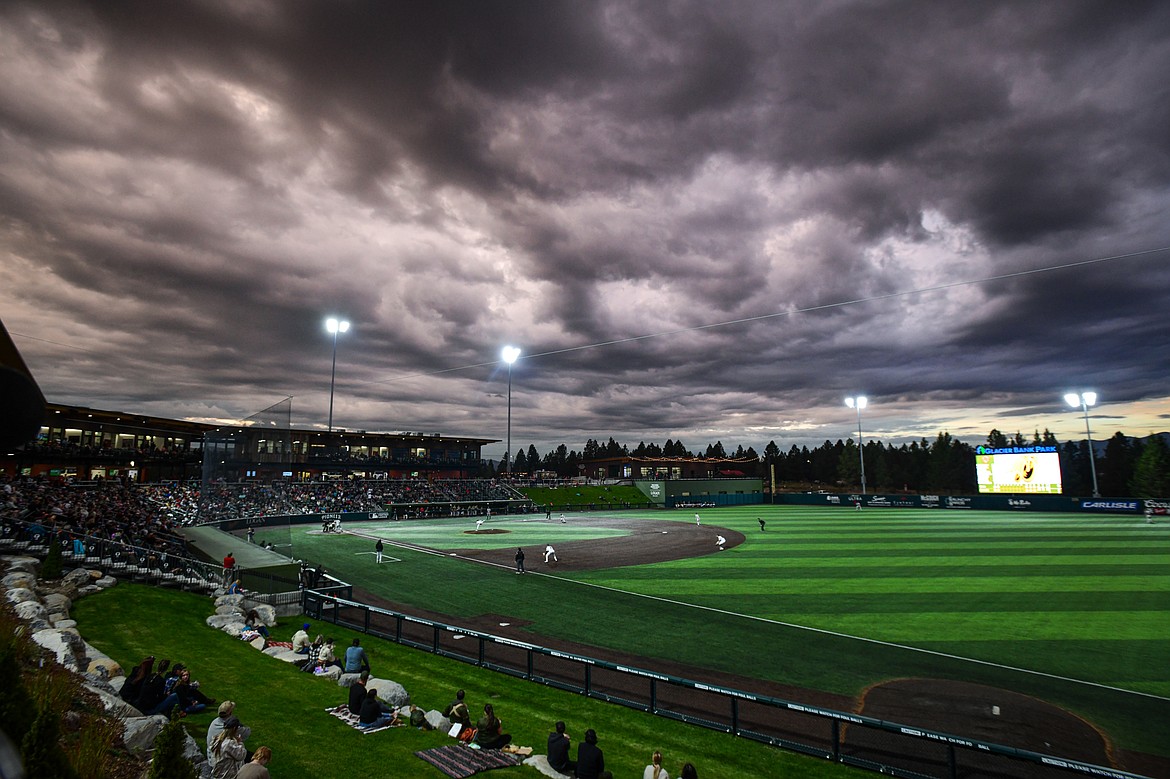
(1074, 609)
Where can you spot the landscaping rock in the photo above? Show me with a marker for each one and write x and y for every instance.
(21, 595)
(266, 613)
(106, 582)
(57, 602)
(23, 563)
(229, 608)
(258, 643)
(393, 693)
(78, 577)
(19, 579)
(30, 609)
(140, 731)
(217, 621)
(230, 600)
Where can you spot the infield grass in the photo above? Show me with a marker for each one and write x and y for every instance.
(1074, 609)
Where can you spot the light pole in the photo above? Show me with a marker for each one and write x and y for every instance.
(509, 354)
(334, 326)
(859, 403)
(1084, 400)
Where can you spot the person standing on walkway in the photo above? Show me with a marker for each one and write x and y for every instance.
(378, 551)
(520, 560)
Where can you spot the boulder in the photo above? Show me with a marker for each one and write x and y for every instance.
(106, 582)
(78, 577)
(23, 563)
(258, 643)
(140, 732)
(347, 680)
(285, 654)
(21, 595)
(392, 693)
(233, 628)
(332, 673)
(21, 579)
(68, 647)
(30, 609)
(217, 621)
(229, 608)
(104, 666)
(230, 600)
(63, 624)
(114, 704)
(56, 601)
(88, 589)
(437, 721)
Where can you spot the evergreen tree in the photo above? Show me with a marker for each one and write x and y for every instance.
(54, 564)
(533, 459)
(168, 761)
(1151, 472)
(996, 439)
(40, 750)
(1116, 469)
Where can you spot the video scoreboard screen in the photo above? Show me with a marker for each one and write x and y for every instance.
(1021, 469)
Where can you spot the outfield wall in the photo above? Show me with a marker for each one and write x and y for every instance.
(980, 502)
(702, 493)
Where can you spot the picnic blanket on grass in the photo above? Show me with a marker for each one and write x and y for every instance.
(460, 761)
(343, 713)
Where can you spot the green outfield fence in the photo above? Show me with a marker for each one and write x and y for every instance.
(865, 742)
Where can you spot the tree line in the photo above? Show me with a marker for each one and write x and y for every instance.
(1126, 466)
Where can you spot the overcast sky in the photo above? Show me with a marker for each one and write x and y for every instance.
(699, 220)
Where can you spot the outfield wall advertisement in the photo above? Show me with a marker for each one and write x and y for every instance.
(850, 500)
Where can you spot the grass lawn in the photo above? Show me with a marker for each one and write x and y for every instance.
(1074, 609)
(285, 708)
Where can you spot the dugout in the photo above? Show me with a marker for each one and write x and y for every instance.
(702, 493)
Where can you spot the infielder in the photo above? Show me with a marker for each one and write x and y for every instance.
(698, 521)
(720, 541)
(378, 551)
(549, 551)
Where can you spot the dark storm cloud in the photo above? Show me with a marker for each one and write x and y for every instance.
(187, 189)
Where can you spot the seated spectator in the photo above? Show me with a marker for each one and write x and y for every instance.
(226, 711)
(133, 684)
(258, 768)
(153, 698)
(191, 698)
(558, 750)
(457, 711)
(357, 693)
(355, 658)
(327, 658)
(489, 729)
(655, 769)
(374, 713)
(227, 751)
(418, 718)
(301, 640)
(688, 772)
(590, 760)
(314, 656)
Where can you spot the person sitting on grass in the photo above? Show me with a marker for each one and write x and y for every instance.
(689, 772)
(590, 760)
(558, 750)
(374, 713)
(489, 729)
(226, 711)
(457, 711)
(258, 768)
(356, 659)
(655, 769)
(227, 752)
(301, 640)
(357, 693)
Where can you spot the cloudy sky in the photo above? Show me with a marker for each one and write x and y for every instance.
(700, 221)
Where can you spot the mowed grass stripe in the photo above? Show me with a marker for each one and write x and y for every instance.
(809, 582)
(926, 627)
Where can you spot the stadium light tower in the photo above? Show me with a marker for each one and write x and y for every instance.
(859, 403)
(334, 326)
(1084, 400)
(509, 355)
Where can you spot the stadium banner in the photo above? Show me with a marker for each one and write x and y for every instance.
(986, 502)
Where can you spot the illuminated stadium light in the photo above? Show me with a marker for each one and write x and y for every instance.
(859, 403)
(509, 354)
(1084, 400)
(334, 326)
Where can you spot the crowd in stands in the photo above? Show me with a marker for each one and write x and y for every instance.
(108, 513)
(71, 450)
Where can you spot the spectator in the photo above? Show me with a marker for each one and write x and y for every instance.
(590, 760)
(357, 693)
(689, 772)
(457, 711)
(355, 658)
(655, 769)
(301, 640)
(133, 684)
(153, 698)
(314, 656)
(226, 711)
(227, 751)
(229, 569)
(558, 750)
(191, 698)
(374, 713)
(489, 729)
(327, 657)
(254, 622)
(258, 768)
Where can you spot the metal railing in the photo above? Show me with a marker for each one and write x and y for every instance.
(852, 739)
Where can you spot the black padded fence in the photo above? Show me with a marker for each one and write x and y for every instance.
(886, 747)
